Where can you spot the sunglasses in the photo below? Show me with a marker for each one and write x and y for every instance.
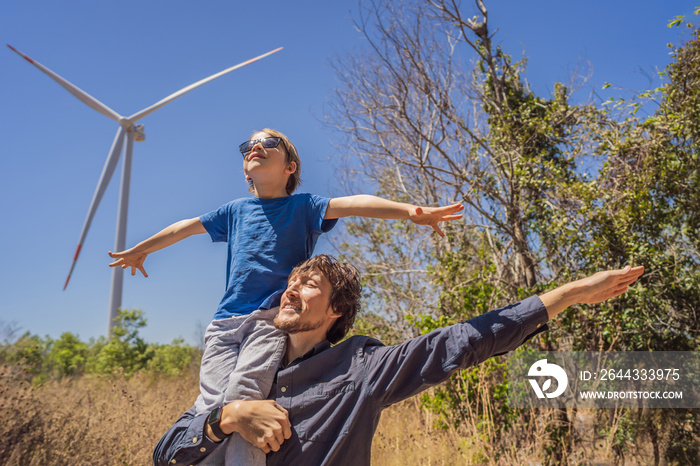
(267, 143)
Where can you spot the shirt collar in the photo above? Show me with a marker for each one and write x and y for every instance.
(324, 345)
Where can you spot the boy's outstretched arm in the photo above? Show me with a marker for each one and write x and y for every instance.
(590, 290)
(365, 205)
(134, 257)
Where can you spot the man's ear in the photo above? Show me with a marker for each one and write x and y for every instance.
(291, 168)
(332, 313)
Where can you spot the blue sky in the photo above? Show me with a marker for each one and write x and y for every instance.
(53, 146)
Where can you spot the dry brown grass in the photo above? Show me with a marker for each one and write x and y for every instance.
(406, 437)
(88, 421)
(117, 421)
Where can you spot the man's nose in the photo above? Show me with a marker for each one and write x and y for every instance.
(293, 287)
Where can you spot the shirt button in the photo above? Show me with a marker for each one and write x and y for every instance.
(194, 440)
(283, 389)
(202, 449)
(173, 461)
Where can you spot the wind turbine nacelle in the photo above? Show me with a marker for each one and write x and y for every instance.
(139, 135)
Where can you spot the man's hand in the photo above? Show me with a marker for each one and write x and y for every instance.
(432, 215)
(607, 284)
(595, 289)
(129, 258)
(263, 423)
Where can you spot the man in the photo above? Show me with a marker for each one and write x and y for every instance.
(328, 400)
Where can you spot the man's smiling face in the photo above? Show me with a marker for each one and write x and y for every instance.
(305, 304)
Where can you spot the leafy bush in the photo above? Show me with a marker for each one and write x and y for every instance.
(126, 353)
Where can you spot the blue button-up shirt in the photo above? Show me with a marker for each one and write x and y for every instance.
(335, 395)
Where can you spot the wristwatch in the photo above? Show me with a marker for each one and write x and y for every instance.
(214, 420)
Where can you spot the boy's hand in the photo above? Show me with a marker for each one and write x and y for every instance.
(126, 259)
(432, 215)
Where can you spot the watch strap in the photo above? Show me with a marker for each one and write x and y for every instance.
(214, 421)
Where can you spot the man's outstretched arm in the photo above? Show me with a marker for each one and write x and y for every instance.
(590, 290)
(400, 371)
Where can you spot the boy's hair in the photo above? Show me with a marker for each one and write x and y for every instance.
(346, 290)
(292, 156)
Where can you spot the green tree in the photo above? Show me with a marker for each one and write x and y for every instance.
(37, 359)
(650, 212)
(126, 351)
(173, 359)
(651, 215)
(68, 356)
(28, 352)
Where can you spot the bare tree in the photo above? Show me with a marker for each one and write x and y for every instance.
(432, 113)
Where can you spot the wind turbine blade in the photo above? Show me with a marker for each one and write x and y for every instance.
(191, 87)
(89, 100)
(107, 171)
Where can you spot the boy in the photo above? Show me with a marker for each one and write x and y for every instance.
(267, 235)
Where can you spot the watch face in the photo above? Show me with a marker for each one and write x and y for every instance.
(214, 416)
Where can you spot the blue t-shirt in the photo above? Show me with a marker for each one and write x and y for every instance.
(266, 239)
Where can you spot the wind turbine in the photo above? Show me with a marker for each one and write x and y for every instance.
(129, 131)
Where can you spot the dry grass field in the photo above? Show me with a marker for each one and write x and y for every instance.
(117, 421)
(88, 421)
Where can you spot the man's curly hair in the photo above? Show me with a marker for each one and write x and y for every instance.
(346, 290)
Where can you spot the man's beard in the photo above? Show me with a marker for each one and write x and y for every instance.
(296, 325)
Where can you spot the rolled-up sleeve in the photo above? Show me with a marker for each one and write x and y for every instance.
(185, 442)
(397, 372)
